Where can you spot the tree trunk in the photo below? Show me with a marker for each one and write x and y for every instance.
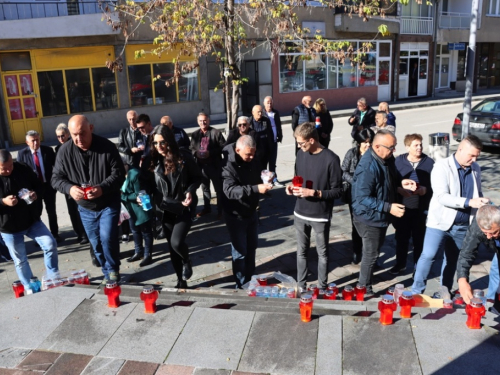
(232, 88)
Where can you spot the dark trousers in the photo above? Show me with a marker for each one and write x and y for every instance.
(244, 238)
(211, 172)
(373, 239)
(176, 229)
(357, 242)
(273, 156)
(74, 216)
(49, 199)
(303, 233)
(411, 225)
(140, 233)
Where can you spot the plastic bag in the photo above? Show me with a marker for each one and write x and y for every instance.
(124, 215)
(283, 281)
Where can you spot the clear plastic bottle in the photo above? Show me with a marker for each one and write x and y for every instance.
(398, 291)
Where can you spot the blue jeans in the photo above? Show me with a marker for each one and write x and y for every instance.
(494, 279)
(102, 230)
(434, 241)
(244, 238)
(142, 232)
(17, 249)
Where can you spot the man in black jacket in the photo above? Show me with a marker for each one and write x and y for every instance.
(242, 185)
(93, 160)
(127, 141)
(181, 136)
(274, 116)
(485, 229)
(206, 146)
(363, 117)
(41, 159)
(20, 216)
(264, 135)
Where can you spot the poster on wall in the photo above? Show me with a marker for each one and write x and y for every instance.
(29, 107)
(11, 85)
(15, 109)
(26, 84)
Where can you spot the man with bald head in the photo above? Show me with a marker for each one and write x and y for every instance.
(127, 141)
(263, 134)
(93, 160)
(181, 137)
(374, 188)
(304, 112)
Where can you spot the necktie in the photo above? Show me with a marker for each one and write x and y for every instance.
(37, 165)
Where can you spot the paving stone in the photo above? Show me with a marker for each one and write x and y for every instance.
(88, 328)
(154, 334)
(452, 348)
(212, 338)
(247, 373)
(175, 370)
(103, 366)
(39, 360)
(281, 344)
(136, 367)
(13, 356)
(329, 352)
(69, 364)
(207, 371)
(389, 348)
(50, 307)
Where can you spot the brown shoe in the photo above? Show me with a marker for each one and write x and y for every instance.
(203, 212)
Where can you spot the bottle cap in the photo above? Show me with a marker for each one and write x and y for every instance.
(387, 298)
(306, 298)
(400, 286)
(390, 290)
(329, 293)
(477, 293)
(147, 289)
(348, 288)
(111, 284)
(321, 292)
(332, 286)
(407, 295)
(359, 286)
(34, 279)
(313, 287)
(476, 302)
(17, 283)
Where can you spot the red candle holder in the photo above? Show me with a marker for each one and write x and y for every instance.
(262, 280)
(386, 308)
(18, 288)
(306, 306)
(291, 293)
(390, 291)
(313, 288)
(321, 294)
(330, 294)
(113, 292)
(348, 293)
(149, 296)
(474, 312)
(334, 289)
(406, 302)
(447, 304)
(297, 181)
(360, 292)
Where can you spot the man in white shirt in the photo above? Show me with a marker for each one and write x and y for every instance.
(274, 116)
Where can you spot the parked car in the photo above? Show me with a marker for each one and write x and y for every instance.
(484, 122)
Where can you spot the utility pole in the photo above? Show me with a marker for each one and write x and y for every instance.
(469, 75)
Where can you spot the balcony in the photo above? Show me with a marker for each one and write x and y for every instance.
(417, 25)
(28, 10)
(452, 20)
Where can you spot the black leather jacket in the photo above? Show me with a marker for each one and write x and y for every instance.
(126, 141)
(349, 164)
(473, 238)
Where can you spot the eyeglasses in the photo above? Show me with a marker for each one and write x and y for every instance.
(244, 124)
(161, 143)
(141, 127)
(61, 136)
(391, 149)
(301, 143)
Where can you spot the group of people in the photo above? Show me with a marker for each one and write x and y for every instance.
(434, 204)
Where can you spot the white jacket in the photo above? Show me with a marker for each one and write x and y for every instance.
(446, 197)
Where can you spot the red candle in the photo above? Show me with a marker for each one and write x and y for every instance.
(329, 294)
(360, 292)
(447, 304)
(406, 302)
(306, 306)
(313, 288)
(390, 291)
(18, 288)
(291, 293)
(297, 181)
(474, 313)
(262, 280)
(348, 293)
(149, 296)
(386, 308)
(113, 291)
(251, 292)
(321, 294)
(86, 188)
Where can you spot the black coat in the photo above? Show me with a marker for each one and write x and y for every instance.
(368, 120)
(234, 134)
(215, 145)
(48, 156)
(126, 141)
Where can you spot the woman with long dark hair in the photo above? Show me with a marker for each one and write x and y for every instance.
(325, 118)
(177, 177)
(351, 159)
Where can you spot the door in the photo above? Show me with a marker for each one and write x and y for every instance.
(21, 105)
(441, 75)
(422, 77)
(384, 80)
(250, 89)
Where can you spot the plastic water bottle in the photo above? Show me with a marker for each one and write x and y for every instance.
(275, 290)
(398, 291)
(35, 284)
(145, 200)
(283, 293)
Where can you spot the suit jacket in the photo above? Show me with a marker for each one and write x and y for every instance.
(48, 157)
(277, 121)
(446, 197)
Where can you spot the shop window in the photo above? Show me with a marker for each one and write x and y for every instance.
(315, 69)
(291, 73)
(333, 66)
(423, 69)
(52, 93)
(494, 8)
(79, 90)
(347, 74)
(367, 76)
(384, 49)
(104, 83)
(383, 72)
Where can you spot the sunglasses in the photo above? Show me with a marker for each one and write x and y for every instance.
(239, 125)
(60, 136)
(161, 143)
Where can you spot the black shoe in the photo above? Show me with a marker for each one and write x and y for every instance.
(59, 239)
(495, 309)
(147, 261)
(124, 238)
(356, 258)
(181, 284)
(160, 235)
(95, 262)
(369, 291)
(84, 241)
(396, 270)
(134, 258)
(187, 270)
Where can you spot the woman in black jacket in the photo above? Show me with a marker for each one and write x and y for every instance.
(326, 122)
(363, 140)
(177, 177)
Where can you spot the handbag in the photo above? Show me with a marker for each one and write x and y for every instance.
(172, 205)
(346, 192)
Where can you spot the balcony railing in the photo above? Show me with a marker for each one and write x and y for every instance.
(417, 25)
(452, 20)
(27, 10)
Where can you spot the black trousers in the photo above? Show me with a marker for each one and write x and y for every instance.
(357, 242)
(411, 225)
(49, 199)
(176, 229)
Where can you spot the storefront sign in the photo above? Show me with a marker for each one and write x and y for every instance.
(456, 46)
